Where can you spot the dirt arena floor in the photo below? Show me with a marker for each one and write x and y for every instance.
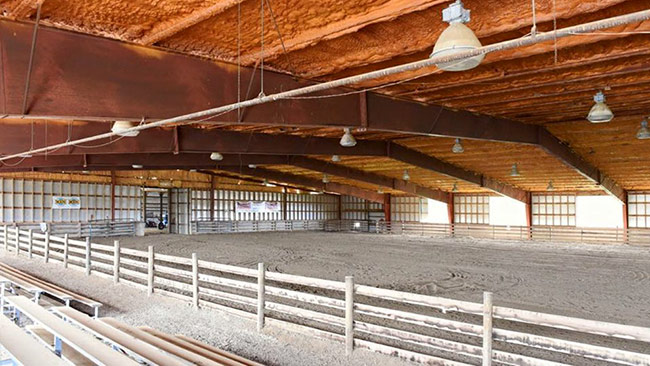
(601, 282)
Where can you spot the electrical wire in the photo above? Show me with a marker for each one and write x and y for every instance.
(262, 50)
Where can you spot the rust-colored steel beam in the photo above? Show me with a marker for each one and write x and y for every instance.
(372, 178)
(280, 177)
(112, 80)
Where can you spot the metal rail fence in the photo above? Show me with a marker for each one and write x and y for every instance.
(417, 327)
(101, 228)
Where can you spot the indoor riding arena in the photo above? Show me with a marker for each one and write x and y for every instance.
(274, 182)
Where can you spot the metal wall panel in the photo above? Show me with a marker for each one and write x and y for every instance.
(31, 201)
(408, 209)
(472, 209)
(554, 209)
(179, 211)
(359, 209)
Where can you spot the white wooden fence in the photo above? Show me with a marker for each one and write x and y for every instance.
(416, 327)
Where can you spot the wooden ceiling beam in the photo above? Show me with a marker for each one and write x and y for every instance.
(327, 167)
(168, 28)
(275, 176)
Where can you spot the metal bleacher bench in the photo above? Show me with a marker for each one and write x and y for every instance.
(62, 332)
(36, 286)
(22, 348)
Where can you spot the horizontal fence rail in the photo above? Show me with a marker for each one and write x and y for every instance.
(103, 228)
(417, 327)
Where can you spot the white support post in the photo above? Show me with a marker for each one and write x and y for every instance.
(150, 270)
(349, 315)
(116, 261)
(17, 240)
(65, 250)
(195, 281)
(5, 231)
(46, 254)
(487, 328)
(30, 244)
(88, 264)
(261, 292)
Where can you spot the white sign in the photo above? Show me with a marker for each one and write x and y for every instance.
(252, 206)
(66, 202)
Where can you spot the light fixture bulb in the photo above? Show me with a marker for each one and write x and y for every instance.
(380, 191)
(457, 38)
(216, 156)
(348, 140)
(136, 166)
(336, 158)
(514, 171)
(120, 127)
(600, 112)
(265, 182)
(454, 189)
(406, 176)
(550, 186)
(458, 147)
(643, 133)
(252, 166)
(326, 179)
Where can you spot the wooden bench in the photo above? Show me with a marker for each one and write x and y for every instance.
(82, 342)
(186, 351)
(24, 349)
(50, 341)
(37, 286)
(119, 339)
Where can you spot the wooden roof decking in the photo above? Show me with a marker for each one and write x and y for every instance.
(549, 84)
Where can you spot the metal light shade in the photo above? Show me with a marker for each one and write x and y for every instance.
(326, 179)
(514, 172)
(643, 133)
(458, 147)
(336, 158)
(457, 38)
(136, 166)
(550, 186)
(600, 112)
(216, 156)
(119, 127)
(454, 188)
(406, 175)
(380, 191)
(252, 166)
(348, 140)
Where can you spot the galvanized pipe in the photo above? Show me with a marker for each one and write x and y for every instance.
(515, 43)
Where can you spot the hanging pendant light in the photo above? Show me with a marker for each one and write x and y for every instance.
(380, 191)
(336, 158)
(457, 38)
(550, 186)
(136, 166)
(454, 189)
(406, 175)
(216, 156)
(252, 166)
(600, 112)
(119, 127)
(514, 171)
(458, 147)
(326, 179)
(643, 133)
(348, 140)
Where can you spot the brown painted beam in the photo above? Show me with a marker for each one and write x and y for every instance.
(372, 178)
(280, 177)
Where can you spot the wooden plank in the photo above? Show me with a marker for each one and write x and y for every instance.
(23, 348)
(160, 343)
(91, 348)
(123, 340)
(67, 353)
(216, 350)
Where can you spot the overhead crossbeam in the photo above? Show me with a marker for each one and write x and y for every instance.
(279, 177)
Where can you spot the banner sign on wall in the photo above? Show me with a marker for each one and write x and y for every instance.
(253, 207)
(65, 202)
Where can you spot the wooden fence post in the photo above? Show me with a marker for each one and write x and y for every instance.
(150, 269)
(349, 315)
(47, 247)
(6, 237)
(30, 245)
(487, 328)
(116, 261)
(195, 281)
(261, 291)
(17, 240)
(88, 264)
(65, 250)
